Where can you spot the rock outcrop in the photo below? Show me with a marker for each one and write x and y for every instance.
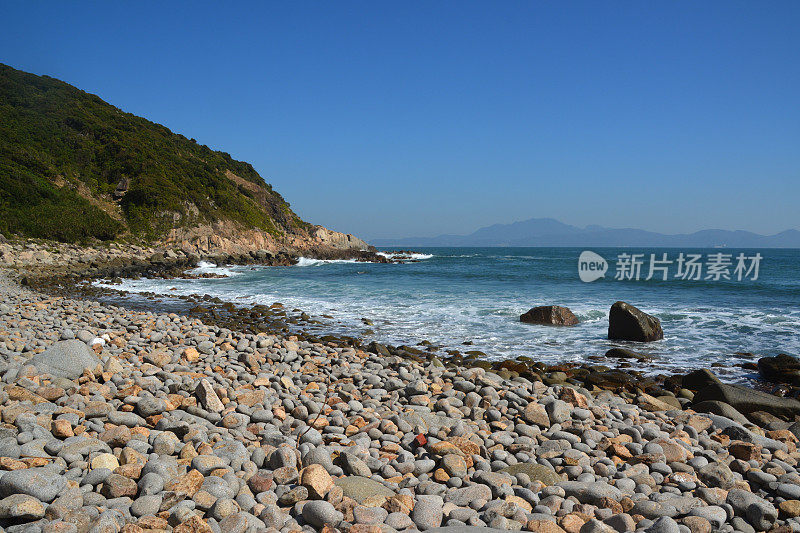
(626, 322)
(781, 368)
(747, 400)
(549, 315)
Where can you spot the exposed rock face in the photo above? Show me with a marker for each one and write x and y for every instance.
(228, 237)
(781, 368)
(626, 322)
(550, 315)
(122, 188)
(339, 240)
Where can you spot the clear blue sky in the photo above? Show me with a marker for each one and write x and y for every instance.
(417, 118)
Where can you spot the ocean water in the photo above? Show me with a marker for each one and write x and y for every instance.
(452, 295)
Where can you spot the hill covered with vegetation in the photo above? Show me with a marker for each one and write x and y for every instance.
(73, 168)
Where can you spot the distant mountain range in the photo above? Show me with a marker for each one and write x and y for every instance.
(550, 232)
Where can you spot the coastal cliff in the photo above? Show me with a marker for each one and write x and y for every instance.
(75, 169)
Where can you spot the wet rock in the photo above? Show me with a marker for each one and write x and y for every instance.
(699, 379)
(622, 353)
(781, 368)
(626, 322)
(551, 315)
(747, 400)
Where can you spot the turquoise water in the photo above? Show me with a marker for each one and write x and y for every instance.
(452, 295)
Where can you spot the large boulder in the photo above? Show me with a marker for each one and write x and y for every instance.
(747, 400)
(44, 484)
(781, 368)
(549, 315)
(65, 359)
(699, 379)
(612, 380)
(627, 323)
(720, 408)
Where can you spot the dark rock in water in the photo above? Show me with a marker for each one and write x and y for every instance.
(549, 315)
(622, 353)
(612, 379)
(747, 400)
(720, 408)
(698, 379)
(626, 322)
(65, 359)
(781, 368)
(378, 348)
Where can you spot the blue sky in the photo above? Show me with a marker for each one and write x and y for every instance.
(421, 118)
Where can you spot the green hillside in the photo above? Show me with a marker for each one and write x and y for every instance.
(73, 167)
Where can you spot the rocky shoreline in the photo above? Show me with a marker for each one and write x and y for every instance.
(50, 260)
(126, 419)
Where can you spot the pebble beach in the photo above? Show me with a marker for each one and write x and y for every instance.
(119, 420)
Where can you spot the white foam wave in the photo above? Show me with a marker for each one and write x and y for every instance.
(400, 255)
(307, 261)
(207, 267)
(698, 333)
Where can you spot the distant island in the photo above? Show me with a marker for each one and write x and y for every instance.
(550, 232)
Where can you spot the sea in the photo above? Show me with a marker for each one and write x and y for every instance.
(471, 299)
